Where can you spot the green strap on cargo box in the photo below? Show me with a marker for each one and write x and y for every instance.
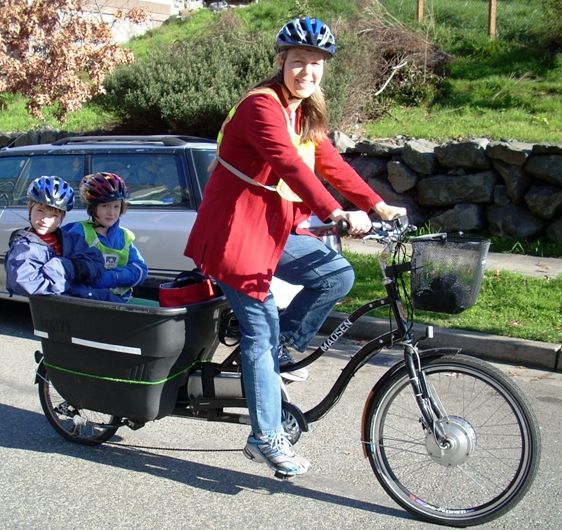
(115, 379)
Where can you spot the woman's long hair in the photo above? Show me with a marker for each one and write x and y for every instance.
(314, 112)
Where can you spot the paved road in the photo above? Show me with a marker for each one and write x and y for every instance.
(178, 473)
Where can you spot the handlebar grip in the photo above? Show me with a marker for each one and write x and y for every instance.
(382, 227)
(343, 227)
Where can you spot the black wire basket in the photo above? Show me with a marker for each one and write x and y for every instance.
(447, 272)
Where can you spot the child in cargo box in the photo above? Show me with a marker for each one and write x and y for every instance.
(42, 259)
(104, 195)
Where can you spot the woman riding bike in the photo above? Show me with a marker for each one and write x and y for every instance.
(272, 146)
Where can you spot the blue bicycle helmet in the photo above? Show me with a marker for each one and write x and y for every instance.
(306, 32)
(52, 191)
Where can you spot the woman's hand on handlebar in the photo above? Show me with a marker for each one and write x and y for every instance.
(358, 222)
(387, 212)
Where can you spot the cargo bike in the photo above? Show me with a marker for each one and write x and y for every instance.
(449, 437)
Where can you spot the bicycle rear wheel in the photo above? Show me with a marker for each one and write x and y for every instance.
(492, 451)
(82, 426)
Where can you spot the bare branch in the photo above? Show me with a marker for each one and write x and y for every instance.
(394, 70)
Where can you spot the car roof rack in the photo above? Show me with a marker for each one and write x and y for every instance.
(164, 139)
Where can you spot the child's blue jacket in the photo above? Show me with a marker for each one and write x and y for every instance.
(132, 274)
(32, 266)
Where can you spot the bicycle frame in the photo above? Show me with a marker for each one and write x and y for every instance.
(398, 334)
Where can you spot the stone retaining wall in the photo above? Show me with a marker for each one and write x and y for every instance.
(511, 189)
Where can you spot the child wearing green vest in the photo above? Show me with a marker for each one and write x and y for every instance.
(104, 195)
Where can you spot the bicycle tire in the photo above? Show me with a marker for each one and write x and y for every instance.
(81, 426)
(494, 434)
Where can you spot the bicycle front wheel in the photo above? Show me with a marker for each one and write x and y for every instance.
(490, 455)
(82, 426)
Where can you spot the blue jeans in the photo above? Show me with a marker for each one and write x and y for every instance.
(326, 277)
(259, 327)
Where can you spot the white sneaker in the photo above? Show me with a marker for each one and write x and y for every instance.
(278, 453)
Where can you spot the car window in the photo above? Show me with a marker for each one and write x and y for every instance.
(10, 169)
(202, 159)
(152, 179)
(68, 167)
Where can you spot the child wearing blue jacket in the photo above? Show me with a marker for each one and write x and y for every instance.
(42, 259)
(105, 195)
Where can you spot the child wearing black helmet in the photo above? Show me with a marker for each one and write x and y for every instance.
(41, 258)
(104, 195)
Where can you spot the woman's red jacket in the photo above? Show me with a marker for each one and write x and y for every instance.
(241, 229)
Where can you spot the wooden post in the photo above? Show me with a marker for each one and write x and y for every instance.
(419, 10)
(492, 19)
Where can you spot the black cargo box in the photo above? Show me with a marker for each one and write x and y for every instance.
(123, 359)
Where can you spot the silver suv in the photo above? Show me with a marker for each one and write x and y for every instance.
(165, 176)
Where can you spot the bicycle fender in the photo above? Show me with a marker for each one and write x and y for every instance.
(433, 353)
(297, 413)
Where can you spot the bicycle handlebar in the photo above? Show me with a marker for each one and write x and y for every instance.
(392, 230)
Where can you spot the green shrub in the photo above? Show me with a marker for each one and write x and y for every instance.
(553, 22)
(189, 87)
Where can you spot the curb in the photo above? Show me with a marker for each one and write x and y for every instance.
(533, 354)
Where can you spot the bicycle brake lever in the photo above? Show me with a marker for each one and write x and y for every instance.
(370, 237)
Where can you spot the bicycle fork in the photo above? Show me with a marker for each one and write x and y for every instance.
(430, 408)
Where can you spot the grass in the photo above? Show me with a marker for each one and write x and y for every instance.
(542, 247)
(265, 16)
(507, 88)
(171, 32)
(533, 313)
(14, 117)
(442, 122)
